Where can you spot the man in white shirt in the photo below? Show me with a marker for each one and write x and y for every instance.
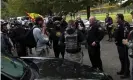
(41, 39)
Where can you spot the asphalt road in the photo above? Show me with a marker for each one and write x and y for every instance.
(109, 56)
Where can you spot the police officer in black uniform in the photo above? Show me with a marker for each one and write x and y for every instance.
(94, 36)
(120, 34)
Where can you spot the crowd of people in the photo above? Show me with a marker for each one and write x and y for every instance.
(66, 38)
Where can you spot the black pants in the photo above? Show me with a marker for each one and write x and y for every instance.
(123, 56)
(94, 54)
(58, 50)
(30, 50)
(21, 50)
(109, 33)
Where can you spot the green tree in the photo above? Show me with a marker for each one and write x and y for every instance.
(18, 7)
(42, 6)
(4, 9)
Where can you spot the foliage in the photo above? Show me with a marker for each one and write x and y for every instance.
(4, 9)
(43, 7)
(127, 3)
(18, 7)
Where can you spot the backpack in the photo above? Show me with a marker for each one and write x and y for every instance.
(29, 39)
(71, 42)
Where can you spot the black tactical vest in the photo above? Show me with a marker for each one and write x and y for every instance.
(71, 42)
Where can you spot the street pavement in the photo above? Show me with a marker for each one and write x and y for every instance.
(109, 56)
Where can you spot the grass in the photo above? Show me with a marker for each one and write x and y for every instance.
(102, 17)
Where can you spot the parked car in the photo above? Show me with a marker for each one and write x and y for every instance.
(41, 68)
(16, 69)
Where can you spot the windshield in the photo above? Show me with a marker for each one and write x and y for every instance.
(11, 66)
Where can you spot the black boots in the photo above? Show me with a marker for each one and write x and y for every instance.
(120, 73)
(124, 76)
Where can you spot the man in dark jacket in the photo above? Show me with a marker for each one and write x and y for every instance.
(120, 34)
(17, 36)
(109, 26)
(95, 35)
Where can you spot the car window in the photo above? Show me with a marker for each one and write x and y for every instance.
(11, 66)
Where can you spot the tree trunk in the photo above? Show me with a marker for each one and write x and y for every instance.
(88, 12)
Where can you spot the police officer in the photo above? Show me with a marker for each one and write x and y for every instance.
(94, 36)
(109, 26)
(120, 33)
(72, 39)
